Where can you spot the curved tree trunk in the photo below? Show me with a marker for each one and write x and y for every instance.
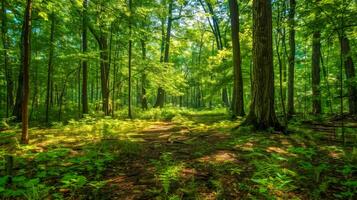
(262, 112)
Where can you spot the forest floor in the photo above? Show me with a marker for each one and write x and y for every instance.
(195, 155)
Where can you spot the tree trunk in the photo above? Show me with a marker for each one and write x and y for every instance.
(225, 98)
(26, 65)
(262, 111)
(161, 92)
(144, 103)
(8, 70)
(291, 75)
(129, 63)
(84, 61)
(50, 66)
(238, 103)
(350, 73)
(104, 73)
(19, 93)
(315, 73)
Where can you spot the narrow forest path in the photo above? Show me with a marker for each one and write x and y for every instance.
(135, 177)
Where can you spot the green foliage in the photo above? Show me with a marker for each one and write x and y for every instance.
(168, 171)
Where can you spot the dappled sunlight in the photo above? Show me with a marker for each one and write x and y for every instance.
(219, 157)
(279, 151)
(248, 146)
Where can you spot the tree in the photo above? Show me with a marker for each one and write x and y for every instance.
(50, 65)
(129, 60)
(237, 103)
(292, 52)
(144, 102)
(26, 58)
(8, 70)
(350, 73)
(214, 24)
(160, 100)
(262, 111)
(315, 72)
(84, 61)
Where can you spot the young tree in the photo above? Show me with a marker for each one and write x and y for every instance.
(262, 111)
(237, 103)
(26, 58)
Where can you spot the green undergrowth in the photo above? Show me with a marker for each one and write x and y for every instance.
(203, 157)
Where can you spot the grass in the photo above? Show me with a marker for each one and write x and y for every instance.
(176, 154)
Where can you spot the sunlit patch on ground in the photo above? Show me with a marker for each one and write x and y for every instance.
(219, 157)
(279, 151)
(249, 146)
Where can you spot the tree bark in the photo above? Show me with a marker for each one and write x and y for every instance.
(26, 66)
(350, 73)
(315, 73)
(291, 76)
(262, 112)
(104, 72)
(238, 103)
(50, 66)
(144, 103)
(129, 64)
(84, 61)
(8, 70)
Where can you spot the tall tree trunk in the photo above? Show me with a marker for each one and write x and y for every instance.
(129, 64)
(281, 62)
(8, 70)
(315, 73)
(84, 61)
(104, 72)
(350, 73)
(262, 112)
(50, 66)
(17, 111)
(26, 66)
(161, 92)
(238, 103)
(144, 102)
(291, 75)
